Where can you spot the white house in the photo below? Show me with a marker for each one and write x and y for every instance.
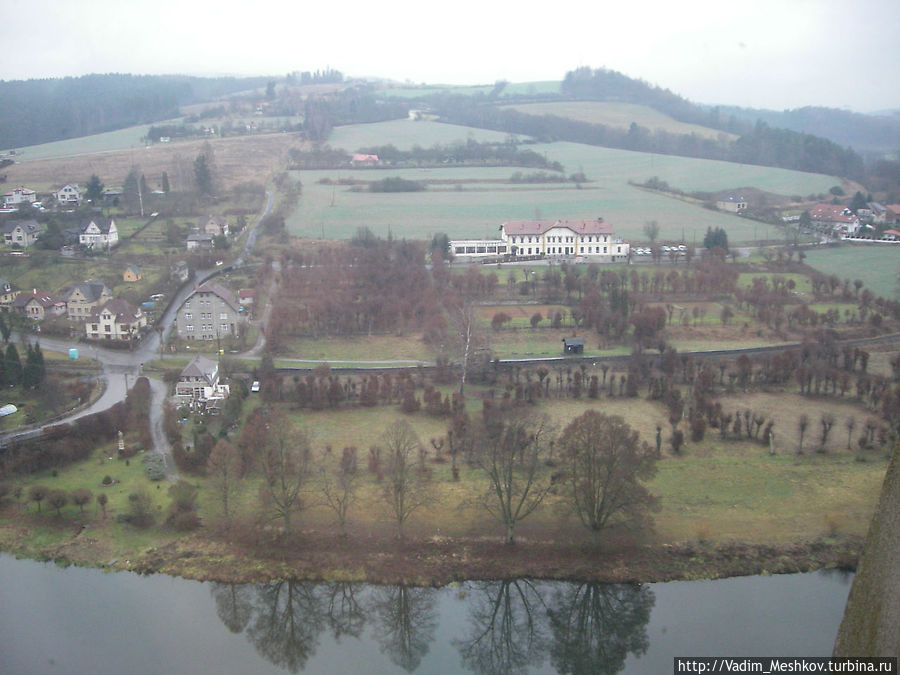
(732, 203)
(836, 216)
(70, 195)
(115, 320)
(199, 384)
(592, 239)
(19, 195)
(98, 233)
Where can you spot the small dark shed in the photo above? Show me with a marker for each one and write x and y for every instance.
(573, 345)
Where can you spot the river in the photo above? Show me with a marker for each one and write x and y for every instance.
(74, 620)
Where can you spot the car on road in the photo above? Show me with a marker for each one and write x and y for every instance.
(255, 387)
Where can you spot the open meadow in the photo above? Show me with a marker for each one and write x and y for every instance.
(470, 203)
(878, 265)
(618, 115)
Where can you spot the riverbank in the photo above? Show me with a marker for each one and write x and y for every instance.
(432, 562)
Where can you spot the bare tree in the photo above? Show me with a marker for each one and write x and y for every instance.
(511, 447)
(224, 467)
(285, 463)
(405, 489)
(851, 425)
(827, 421)
(651, 231)
(606, 462)
(339, 493)
(802, 425)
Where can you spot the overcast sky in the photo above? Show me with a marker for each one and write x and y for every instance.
(776, 54)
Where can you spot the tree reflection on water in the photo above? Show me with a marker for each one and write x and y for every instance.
(595, 626)
(513, 625)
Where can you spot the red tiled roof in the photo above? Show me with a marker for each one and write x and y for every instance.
(517, 227)
(833, 213)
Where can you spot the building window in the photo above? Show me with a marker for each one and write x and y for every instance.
(223, 327)
(188, 316)
(189, 329)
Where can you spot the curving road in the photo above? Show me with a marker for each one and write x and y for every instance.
(120, 369)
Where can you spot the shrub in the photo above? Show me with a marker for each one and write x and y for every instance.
(154, 466)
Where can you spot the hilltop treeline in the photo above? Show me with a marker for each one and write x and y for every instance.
(761, 145)
(40, 111)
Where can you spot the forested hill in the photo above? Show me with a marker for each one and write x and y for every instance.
(758, 143)
(40, 111)
(869, 134)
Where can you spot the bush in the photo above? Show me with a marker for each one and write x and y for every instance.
(154, 466)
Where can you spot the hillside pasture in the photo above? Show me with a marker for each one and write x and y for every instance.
(236, 159)
(617, 115)
(877, 265)
(478, 205)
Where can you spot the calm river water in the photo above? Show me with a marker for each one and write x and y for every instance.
(55, 620)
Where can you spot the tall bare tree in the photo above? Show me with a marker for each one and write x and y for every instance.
(606, 460)
(224, 467)
(405, 489)
(510, 453)
(339, 493)
(285, 464)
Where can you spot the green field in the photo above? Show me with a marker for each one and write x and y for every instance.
(618, 115)
(876, 264)
(477, 210)
(122, 139)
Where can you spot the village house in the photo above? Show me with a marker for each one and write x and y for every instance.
(69, 195)
(892, 214)
(18, 196)
(213, 226)
(246, 297)
(198, 385)
(131, 274)
(839, 218)
(22, 233)
(117, 319)
(38, 305)
(593, 239)
(82, 299)
(8, 293)
(732, 204)
(98, 232)
(209, 313)
(200, 242)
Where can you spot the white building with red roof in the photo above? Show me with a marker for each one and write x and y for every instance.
(839, 217)
(593, 239)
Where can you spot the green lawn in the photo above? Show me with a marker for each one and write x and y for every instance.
(477, 209)
(877, 265)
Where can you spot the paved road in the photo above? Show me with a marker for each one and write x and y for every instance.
(120, 368)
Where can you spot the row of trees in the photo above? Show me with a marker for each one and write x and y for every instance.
(604, 464)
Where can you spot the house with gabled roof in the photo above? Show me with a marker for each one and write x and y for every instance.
(98, 232)
(209, 313)
(22, 233)
(116, 320)
(132, 273)
(836, 216)
(69, 195)
(213, 225)
(82, 299)
(18, 196)
(38, 305)
(199, 386)
(8, 293)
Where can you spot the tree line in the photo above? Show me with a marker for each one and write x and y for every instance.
(41, 111)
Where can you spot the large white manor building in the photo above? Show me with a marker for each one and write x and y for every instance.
(592, 239)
